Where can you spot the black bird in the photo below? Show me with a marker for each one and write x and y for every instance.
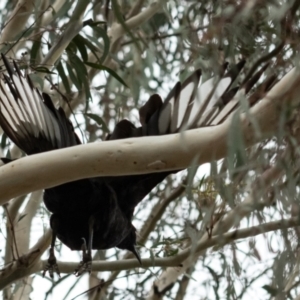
(98, 211)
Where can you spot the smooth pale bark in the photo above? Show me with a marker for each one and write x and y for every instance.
(17, 21)
(117, 30)
(144, 155)
(72, 29)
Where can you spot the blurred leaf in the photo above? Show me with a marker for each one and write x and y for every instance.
(91, 22)
(190, 276)
(78, 64)
(37, 79)
(21, 217)
(160, 19)
(81, 73)
(79, 41)
(63, 77)
(236, 146)
(98, 120)
(152, 257)
(42, 69)
(110, 71)
(62, 12)
(120, 18)
(35, 50)
(72, 48)
(3, 140)
(172, 252)
(102, 33)
(100, 87)
(271, 290)
(94, 49)
(214, 274)
(236, 264)
(73, 77)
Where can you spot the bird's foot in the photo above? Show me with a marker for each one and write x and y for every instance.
(51, 265)
(86, 264)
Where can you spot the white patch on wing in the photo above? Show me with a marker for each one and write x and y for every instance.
(183, 103)
(208, 116)
(203, 91)
(203, 102)
(28, 114)
(219, 91)
(38, 100)
(229, 107)
(51, 125)
(20, 89)
(6, 114)
(10, 103)
(32, 104)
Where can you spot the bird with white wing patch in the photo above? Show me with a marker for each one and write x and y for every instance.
(96, 213)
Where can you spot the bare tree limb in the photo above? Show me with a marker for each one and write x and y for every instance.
(117, 30)
(17, 270)
(136, 8)
(147, 154)
(27, 264)
(233, 218)
(72, 28)
(24, 219)
(17, 20)
(48, 15)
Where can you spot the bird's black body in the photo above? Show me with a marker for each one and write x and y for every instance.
(110, 201)
(100, 210)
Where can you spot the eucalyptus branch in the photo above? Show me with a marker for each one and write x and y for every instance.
(183, 284)
(136, 8)
(12, 211)
(140, 155)
(24, 220)
(27, 264)
(48, 15)
(17, 270)
(186, 258)
(17, 20)
(233, 218)
(72, 29)
(117, 30)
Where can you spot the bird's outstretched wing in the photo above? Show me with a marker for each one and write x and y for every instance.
(189, 105)
(32, 122)
(29, 117)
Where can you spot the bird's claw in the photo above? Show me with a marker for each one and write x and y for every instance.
(51, 266)
(86, 264)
